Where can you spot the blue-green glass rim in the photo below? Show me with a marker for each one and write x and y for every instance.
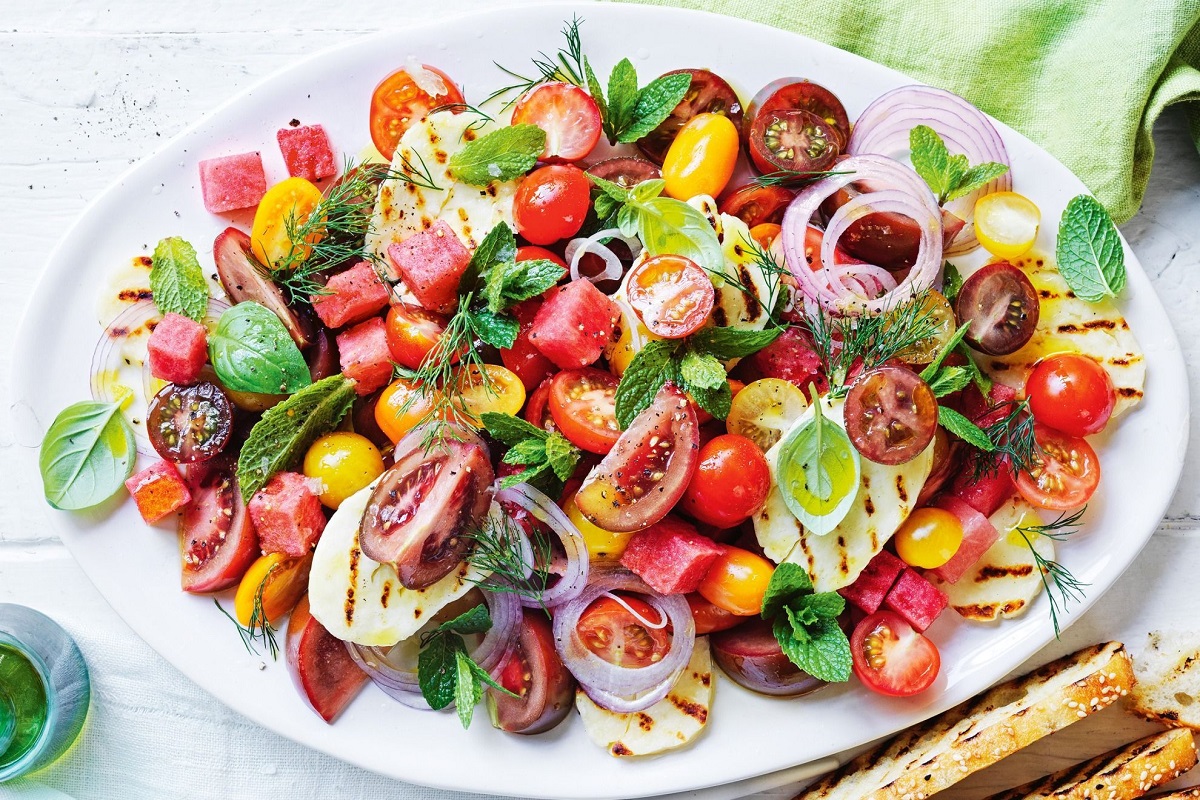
(22, 764)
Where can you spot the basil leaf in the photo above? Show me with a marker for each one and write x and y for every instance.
(1090, 256)
(498, 330)
(501, 155)
(437, 670)
(730, 343)
(669, 226)
(964, 429)
(510, 430)
(655, 103)
(931, 370)
(286, 431)
(86, 455)
(647, 190)
(650, 368)
(252, 351)
(819, 472)
(177, 281)
(788, 582)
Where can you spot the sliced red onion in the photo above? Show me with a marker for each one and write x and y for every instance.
(575, 573)
(843, 288)
(884, 127)
(576, 248)
(630, 322)
(624, 689)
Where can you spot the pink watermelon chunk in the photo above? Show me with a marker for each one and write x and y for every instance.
(364, 355)
(978, 535)
(574, 324)
(352, 296)
(871, 587)
(287, 515)
(670, 556)
(306, 152)
(431, 263)
(986, 494)
(158, 490)
(178, 349)
(916, 599)
(228, 183)
(791, 357)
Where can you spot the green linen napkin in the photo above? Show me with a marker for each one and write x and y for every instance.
(1085, 79)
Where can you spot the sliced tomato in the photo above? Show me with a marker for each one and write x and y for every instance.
(616, 630)
(792, 141)
(709, 617)
(323, 358)
(568, 115)
(798, 93)
(672, 294)
(545, 689)
(218, 539)
(1002, 307)
(755, 205)
(626, 171)
(1071, 393)
(751, 656)
(647, 471)
(537, 407)
(187, 424)
(1065, 473)
(321, 667)
(891, 415)
(583, 405)
(882, 238)
(243, 280)
(398, 102)
(708, 93)
(412, 332)
(523, 358)
(891, 658)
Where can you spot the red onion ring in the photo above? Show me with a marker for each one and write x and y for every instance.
(843, 288)
(575, 577)
(624, 689)
(883, 128)
(613, 269)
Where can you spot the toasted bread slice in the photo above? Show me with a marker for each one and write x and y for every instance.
(930, 757)
(1168, 673)
(1128, 772)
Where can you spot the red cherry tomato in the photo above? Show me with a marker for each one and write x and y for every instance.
(398, 102)
(567, 114)
(755, 205)
(523, 358)
(1065, 473)
(710, 618)
(611, 631)
(1071, 393)
(732, 481)
(537, 408)
(411, 333)
(672, 294)
(583, 404)
(532, 252)
(891, 658)
(551, 203)
(792, 141)
(797, 93)
(544, 689)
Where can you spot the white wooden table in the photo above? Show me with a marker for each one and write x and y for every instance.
(87, 88)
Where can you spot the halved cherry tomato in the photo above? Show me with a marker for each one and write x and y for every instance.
(287, 204)
(710, 618)
(523, 358)
(583, 405)
(939, 314)
(1065, 473)
(612, 631)
(1006, 223)
(764, 410)
(702, 157)
(1071, 393)
(400, 409)
(732, 481)
(552, 203)
(218, 539)
(1002, 307)
(928, 538)
(737, 581)
(537, 407)
(398, 102)
(891, 658)
(490, 389)
(545, 689)
(891, 415)
(344, 463)
(794, 141)
(626, 171)
(280, 582)
(755, 205)
(601, 545)
(321, 667)
(672, 294)
(797, 93)
(568, 115)
(707, 94)
(765, 234)
(187, 424)
(412, 332)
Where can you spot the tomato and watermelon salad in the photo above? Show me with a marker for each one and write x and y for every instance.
(681, 316)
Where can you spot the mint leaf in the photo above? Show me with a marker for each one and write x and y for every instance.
(613, 191)
(622, 99)
(930, 372)
(593, 87)
(467, 691)
(952, 281)
(252, 351)
(529, 451)
(788, 582)
(498, 247)
(654, 104)
(964, 429)
(824, 654)
(950, 380)
(1089, 252)
(825, 604)
(496, 329)
(533, 476)
(510, 430)
(475, 620)
(716, 402)
(930, 158)
(801, 617)
(177, 281)
(548, 455)
(561, 455)
(701, 371)
(976, 177)
(511, 282)
(86, 455)
(501, 155)
(650, 368)
(437, 670)
(729, 343)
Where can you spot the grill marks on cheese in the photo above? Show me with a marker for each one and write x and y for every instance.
(734, 307)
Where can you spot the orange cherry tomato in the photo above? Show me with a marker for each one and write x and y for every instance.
(398, 102)
(281, 580)
(286, 204)
(583, 404)
(400, 409)
(672, 294)
(737, 581)
(710, 618)
(766, 234)
(731, 482)
(702, 157)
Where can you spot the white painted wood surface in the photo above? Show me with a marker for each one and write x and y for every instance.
(86, 89)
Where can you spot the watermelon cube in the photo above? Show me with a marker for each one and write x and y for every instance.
(917, 600)
(364, 355)
(986, 494)
(670, 556)
(158, 490)
(979, 534)
(178, 349)
(872, 585)
(306, 152)
(352, 296)
(287, 515)
(228, 183)
(574, 324)
(984, 412)
(431, 263)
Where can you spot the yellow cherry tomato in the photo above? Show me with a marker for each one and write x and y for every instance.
(765, 234)
(702, 157)
(501, 391)
(344, 463)
(400, 409)
(286, 204)
(737, 581)
(281, 580)
(1006, 223)
(602, 545)
(764, 410)
(929, 538)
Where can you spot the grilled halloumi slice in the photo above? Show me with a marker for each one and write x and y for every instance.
(670, 723)
(1068, 324)
(363, 601)
(402, 208)
(886, 495)
(1006, 579)
(745, 305)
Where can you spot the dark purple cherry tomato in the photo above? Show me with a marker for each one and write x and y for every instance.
(750, 655)
(891, 415)
(625, 171)
(708, 94)
(187, 424)
(793, 141)
(787, 94)
(1002, 308)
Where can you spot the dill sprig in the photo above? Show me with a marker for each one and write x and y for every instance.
(260, 627)
(1014, 440)
(497, 550)
(565, 66)
(788, 177)
(1062, 587)
(773, 274)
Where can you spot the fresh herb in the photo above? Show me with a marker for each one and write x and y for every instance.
(1090, 256)
(252, 351)
(819, 471)
(964, 429)
(663, 224)
(86, 455)
(497, 551)
(1013, 443)
(773, 273)
(946, 379)
(446, 674)
(805, 624)
(952, 282)
(565, 66)
(501, 155)
(791, 177)
(693, 364)
(629, 113)
(1062, 587)
(259, 627)
(548, 457)
(177, 281)
(287, 430)
(949, 176)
